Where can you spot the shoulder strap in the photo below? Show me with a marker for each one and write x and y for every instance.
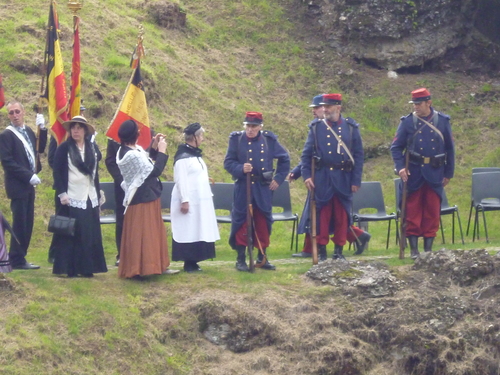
(339, 141)
(433, 127)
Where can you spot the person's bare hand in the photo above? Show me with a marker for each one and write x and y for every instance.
(185, 207)
(162, 144)
(309, 184)
(274, 185)
(404, 174)
(247, 168)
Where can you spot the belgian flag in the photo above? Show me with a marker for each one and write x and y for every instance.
(55, 88)
(133, 105)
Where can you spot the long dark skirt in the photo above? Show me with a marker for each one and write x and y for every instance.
(144, 247)
(193, 251)
(82, 254)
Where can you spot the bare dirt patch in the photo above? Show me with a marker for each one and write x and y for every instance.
(439, 316)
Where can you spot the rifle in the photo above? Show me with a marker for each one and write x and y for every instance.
(402, 218)
(250, 223)
(314, 243)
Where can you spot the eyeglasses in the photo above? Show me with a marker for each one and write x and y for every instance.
(16, 111)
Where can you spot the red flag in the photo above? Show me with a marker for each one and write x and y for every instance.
(133, 107)
(2, 94)
(55, 88)
(74, 99)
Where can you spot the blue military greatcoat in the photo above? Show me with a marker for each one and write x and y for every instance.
(331, 178)
(260, 152)
(415, 136)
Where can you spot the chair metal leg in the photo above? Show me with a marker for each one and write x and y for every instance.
(293, 236)
(453, 227)
(441, 225)
(388, 235)
(485, 227)
(297, 236)
(460, 226)
(476, 225)
(470, 215)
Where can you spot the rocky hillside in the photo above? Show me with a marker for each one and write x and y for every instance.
(418, 35)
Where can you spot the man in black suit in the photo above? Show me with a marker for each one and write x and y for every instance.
(114, 171)
(18, 153)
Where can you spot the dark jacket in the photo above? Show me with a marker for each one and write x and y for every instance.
(61, 169)
(419, 138)
(16, 164)
(331, 179)
(260, 152)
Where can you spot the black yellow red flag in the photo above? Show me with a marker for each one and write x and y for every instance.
(133, 105)
(55, 88)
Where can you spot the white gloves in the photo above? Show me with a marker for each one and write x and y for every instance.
(64, 198)
(40, 120)
(35, 180)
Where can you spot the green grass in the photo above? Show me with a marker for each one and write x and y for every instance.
(236, 57)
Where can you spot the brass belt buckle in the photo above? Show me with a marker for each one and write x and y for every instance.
(427, 159)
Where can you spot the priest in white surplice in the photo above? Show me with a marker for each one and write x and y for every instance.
(194, 226)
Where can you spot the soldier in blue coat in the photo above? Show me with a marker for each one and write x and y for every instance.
(354, 234)
(253, 151)
(426, 135)
(335, 143)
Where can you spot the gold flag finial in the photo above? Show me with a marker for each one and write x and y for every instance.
(75, 6)
(140, 48)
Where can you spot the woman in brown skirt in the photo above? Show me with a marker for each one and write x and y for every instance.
(144, 249)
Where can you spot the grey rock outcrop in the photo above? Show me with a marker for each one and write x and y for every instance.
(395, 34)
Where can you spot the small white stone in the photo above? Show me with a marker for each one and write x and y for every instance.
(392, 74)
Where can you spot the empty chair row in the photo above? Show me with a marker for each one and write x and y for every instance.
(223, 200)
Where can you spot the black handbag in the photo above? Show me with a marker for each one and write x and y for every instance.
(62, 225)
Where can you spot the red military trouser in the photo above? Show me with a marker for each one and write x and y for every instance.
(260, 233)
(333, 209)
(350, 237)
(423, 209)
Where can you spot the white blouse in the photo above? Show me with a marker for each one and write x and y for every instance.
(81, 186)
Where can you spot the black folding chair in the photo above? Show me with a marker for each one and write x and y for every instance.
(368, 196)
(490, 201)
(281, 199)
(109, 193)
(223, 200)
(166, 196)
(485, 197)
(446, 209)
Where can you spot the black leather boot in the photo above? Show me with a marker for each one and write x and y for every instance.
(337, 253)
(363, 241)
(322, 253)
(428, 243)
(266, 265)
(413, 241)
(240, 260)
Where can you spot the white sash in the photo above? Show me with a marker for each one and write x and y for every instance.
(340, 143)
(27, 147)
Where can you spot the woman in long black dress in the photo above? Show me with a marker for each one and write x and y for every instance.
(76, 181)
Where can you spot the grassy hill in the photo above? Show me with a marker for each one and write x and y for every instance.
(232, 57)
